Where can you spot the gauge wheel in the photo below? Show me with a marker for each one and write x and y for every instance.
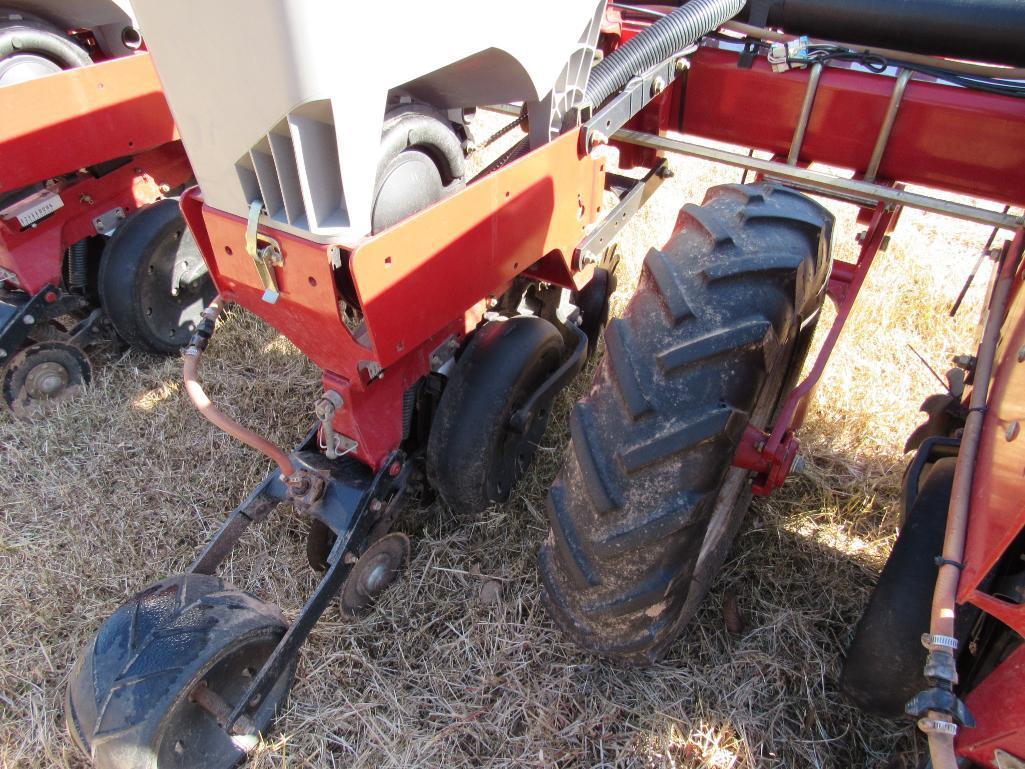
(42, 375)
(31, 48)
(133, 698)
(154, 284)
(475, 456)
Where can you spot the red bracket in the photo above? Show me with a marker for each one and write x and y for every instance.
(771, 468)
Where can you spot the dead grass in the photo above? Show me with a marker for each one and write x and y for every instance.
(121, 486)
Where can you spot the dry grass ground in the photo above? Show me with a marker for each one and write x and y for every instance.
(121, 486)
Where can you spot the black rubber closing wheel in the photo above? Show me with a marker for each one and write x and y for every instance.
(153, 282)
(883, 668)
(647, 504)
(375, 570)
(43, 374)
(474, 456)
(129, 702)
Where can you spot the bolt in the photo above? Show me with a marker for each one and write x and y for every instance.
(165, 188)
(3, 354)
(86, 199)
(682, 65)
(598, 139)
(376, 506)
(28, 320)
(658, 85)
(394, 469)
(1021, 355)
(1012, 431)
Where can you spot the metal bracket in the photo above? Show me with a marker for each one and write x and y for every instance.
(634, 97)
(265, 257)
(107, 222)
(593, 246)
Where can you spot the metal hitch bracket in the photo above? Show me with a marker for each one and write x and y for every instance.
(265, 253)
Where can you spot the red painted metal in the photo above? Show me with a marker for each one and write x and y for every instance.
(770, 470)
(417, 285)
(35, 254)
(997, 704)
(997, 513)
(946, 137)
(60, 123)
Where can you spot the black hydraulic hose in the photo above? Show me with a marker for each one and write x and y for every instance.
(673, 32)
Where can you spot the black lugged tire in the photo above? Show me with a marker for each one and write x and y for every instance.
(711, 340)
(128, 702)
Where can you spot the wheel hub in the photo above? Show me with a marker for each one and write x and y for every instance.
(46, 380)
(24, 67)
(374, 572)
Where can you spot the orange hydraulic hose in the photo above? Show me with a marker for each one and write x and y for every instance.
(199, 398)
(941, 623)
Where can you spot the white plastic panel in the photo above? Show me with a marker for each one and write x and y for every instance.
(238, 73)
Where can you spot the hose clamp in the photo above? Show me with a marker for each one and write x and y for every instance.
(941, 641)
(937, 726)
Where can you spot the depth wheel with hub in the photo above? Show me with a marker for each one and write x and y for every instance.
(153, 281)
(475, 456)
(150, 691)
(374, 572)
(647, 504)
(43, 374)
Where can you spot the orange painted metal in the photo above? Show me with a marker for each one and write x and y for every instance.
(526, 218)
(418, 285)
(70, 120)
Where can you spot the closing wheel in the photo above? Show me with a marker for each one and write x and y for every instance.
(153, 281)
(43, 374)
(647, 504)
(475, 456)
(374, 572)
(151, 690)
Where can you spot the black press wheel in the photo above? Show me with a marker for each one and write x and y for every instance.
(41, 375)
(474, 454)
(153, 282)
(647, 504)
(132, 696)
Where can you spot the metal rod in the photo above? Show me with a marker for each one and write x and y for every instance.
(887, 129)
(802, 122)
(824, 184)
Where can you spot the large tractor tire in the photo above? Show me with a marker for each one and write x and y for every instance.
(647, 504)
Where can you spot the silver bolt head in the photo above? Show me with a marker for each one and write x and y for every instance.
(1013, 430)
(28, 320)
(1021, 355)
